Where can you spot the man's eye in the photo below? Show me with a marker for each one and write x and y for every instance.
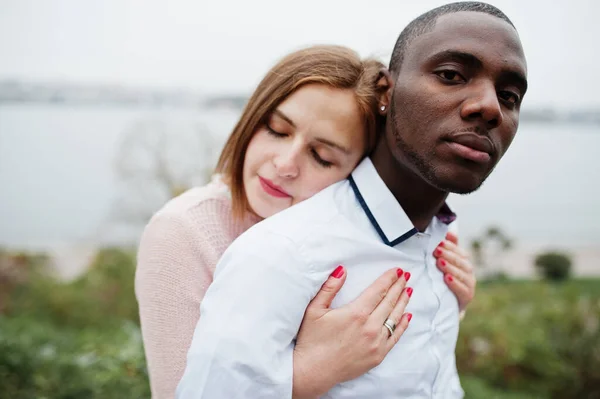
(510, 97)
(450, 75)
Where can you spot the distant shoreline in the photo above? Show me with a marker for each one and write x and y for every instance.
(56, 93)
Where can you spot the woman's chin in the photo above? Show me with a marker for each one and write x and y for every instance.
(263, 209)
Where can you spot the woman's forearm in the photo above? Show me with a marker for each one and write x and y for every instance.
(309, 381)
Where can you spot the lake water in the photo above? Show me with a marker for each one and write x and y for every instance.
(58, 184)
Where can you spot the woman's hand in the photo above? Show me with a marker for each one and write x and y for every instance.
(337, 345)
(454, 262)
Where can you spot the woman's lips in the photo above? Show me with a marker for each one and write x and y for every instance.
(272, 189)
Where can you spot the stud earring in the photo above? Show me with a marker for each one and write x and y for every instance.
(383, 107)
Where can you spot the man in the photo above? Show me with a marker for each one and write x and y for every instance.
(458, 76)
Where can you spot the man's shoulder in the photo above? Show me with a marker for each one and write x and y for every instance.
(295, 227)
(307, 216)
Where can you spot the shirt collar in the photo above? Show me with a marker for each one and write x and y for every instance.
(381, 207)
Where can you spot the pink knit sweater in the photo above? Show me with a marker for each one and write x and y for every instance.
(178, 252)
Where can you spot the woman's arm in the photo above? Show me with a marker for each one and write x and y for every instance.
(171, 278)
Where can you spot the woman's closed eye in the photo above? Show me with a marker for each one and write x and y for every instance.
(314, 153)
(274, 132)
(320, 161)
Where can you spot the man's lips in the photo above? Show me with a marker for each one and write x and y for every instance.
(272, 189)
(472, 146)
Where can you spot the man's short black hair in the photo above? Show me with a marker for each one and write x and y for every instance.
(426, 22)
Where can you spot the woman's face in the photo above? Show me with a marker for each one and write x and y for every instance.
(313, 139)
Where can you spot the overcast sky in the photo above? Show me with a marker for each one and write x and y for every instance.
(223, 45)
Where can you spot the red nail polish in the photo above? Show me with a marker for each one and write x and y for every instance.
(441, 244)
(409, 316)
(407, 276)
(449, 278)
(443, 263)
(409, 291)
(400, 272)
(338, 272)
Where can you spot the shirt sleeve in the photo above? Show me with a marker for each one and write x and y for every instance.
(171, 277)
(243, 344)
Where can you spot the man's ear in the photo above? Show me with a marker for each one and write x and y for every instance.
(384, 86)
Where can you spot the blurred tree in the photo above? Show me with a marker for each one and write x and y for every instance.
(488, 251)
(157, 161)
(553, 265)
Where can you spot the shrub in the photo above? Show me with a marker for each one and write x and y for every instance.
(555, 266)
(534, 337)
(39, 360)
(103, 297)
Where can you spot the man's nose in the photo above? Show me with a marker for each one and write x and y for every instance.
(483, 104)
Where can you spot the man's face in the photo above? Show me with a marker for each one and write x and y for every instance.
(456, 101)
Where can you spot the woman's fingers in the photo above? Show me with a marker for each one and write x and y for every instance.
(457, 272)
(387, 305)
(450, 247)
(450, 236)
(376, 292)
(461, 281)
(451, 257)
(329, 290)
(454, 262)
(399, 317)
(463, 291)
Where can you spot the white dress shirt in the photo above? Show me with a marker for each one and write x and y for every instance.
(243, 344)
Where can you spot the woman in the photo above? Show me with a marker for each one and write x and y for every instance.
(316, 111)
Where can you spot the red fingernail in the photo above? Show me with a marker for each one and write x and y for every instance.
(409, 316)
(407, 276)
(338, 272)
(409, 291)
(437, 252)
(399, 272)
(443, 263)
(441, 244)
(449, 278)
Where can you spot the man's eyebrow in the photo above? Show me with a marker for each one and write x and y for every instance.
(458, 56)
(471, 60)
(334, 145)
(284, 117)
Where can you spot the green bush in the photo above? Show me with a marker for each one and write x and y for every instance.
(534, 337)
(79, 339)
(554, 266)
(38, 360)
(102, 297)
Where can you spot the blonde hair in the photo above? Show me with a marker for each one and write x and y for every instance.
(335, 66)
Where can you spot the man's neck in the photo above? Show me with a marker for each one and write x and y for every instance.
(420, 201)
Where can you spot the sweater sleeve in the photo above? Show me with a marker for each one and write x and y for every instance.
(172, 275)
